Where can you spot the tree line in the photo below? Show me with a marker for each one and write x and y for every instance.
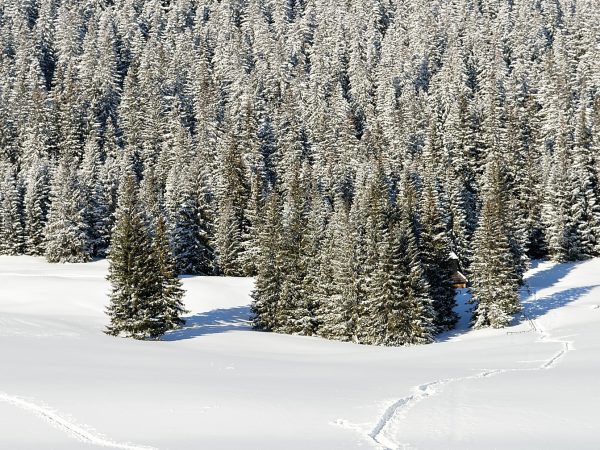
(337, 152)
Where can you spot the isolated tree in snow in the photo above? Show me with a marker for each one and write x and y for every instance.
(146, 294)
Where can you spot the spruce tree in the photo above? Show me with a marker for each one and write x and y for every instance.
(188, 230)
(37, 203)
(128, 268)
(165, 313)
(266, 295)
(67, 238)
(12, 234)
(494, 278)
(145, 300)
(434, 247)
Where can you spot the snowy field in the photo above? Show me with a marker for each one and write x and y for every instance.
(218, 385)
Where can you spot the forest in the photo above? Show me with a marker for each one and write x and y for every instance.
(338, 152)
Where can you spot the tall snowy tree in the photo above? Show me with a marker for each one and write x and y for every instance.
(37, 203)
(494, 278)
(146, 294)
(435, 255)
(67, 238)
(12, 234)
(266, 295)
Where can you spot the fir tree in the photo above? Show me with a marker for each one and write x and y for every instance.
(146, 293)
(435, 256)
(165, 314)
(37, 203)
(494, 277)
(12, 234)
(67, 238)
(266, 295)
(128, 268)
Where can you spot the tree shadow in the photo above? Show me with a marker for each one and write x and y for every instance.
(212, 322)
(549, 276)
(534, 305)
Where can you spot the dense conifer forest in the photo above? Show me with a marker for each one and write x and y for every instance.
(340, 152)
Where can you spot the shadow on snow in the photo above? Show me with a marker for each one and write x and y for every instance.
(534, 305)
(212, 322)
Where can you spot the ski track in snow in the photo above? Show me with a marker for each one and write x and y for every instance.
(398, 410)
(65, 425)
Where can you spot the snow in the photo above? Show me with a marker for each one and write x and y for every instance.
(219, 385)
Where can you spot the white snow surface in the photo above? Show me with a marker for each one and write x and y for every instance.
(217, 384)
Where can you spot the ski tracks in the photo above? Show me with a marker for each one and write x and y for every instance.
(67, 426)
(398, 410)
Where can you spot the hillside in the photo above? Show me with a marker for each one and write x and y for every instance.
(217, 384)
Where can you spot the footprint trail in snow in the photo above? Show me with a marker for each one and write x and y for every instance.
(67, 426)
(397, 411)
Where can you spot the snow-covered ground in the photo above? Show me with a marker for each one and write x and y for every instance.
(218, 385)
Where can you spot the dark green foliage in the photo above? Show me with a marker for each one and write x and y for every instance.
(494, 278)
(146, 293)
(435, 252)
(266, 295)
(306, 142)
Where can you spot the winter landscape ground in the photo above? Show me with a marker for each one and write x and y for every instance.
(217, 384)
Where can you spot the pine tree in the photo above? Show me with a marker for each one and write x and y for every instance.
(67, 237)
(37, 203)
(230, 221)
(96, 200)
(11, 212)
(165, 314)
(494, 277)
(188, 231)
(146, 293)
(372, 219)
(417, 316)
(128, 269)
(434, 247)
(266, 295)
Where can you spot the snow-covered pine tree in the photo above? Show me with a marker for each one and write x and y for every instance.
(417, 316)
(96, 199)
(494, 278)
(37, 202)
(434, 248)
(562, 194)
(12, 235)
(164, 311)
(333, 289)
(188, 231)
(266, 295)
(372, 208)
(232, 195)
(127, 256)
(66, 233)
(295, 315)
(316, 283)
(401, 309)
(586, 208)
(145, 299)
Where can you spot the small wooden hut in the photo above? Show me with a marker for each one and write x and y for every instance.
(459, 281)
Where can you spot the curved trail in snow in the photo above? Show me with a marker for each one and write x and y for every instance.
(65, 425)
(399, 409)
